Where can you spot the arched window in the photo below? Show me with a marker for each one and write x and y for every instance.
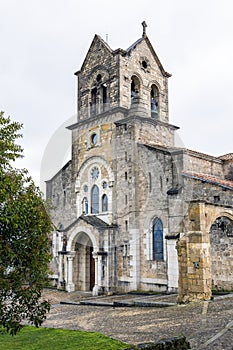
(104, 202)
(93, 100)
(104, 95)
(95, 199)
(99, 78)
(135, 87)
(158, 240)
(154, 94)
(85, 205)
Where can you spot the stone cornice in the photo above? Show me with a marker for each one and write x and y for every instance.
(99, 118)
(148, 120)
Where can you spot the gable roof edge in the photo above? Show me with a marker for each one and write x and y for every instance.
(166, 74)
(96, 37)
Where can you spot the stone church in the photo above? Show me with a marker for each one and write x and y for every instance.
(132, 210)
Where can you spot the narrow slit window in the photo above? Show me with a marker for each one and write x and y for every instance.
(104, 203)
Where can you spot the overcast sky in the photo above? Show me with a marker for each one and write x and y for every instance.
(43, 42)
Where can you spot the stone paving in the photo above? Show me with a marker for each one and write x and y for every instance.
(207, 325)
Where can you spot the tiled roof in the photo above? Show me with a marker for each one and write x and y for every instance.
(95, 221)
(210, 179)
(227, 156)
(91, 220)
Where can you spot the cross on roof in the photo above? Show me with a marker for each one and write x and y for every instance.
(144, 29)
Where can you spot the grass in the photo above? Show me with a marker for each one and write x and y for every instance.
(220, 291)
(31, 338)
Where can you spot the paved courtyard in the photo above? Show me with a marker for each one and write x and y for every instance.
(207, 325)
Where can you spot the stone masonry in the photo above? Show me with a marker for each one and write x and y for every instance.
(132, 210)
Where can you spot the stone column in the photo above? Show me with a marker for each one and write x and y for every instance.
(172, 265)
(194, 259)
(194, 267)
(98, 103)
(60, 271)
(89, 111)
(70, 285)
(135, 262)
(95, 289)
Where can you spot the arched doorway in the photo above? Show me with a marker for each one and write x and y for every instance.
(221, 250)
(84, 263)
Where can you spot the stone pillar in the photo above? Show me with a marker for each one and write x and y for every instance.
(107, 273)
(135, 262)
(70, 285)
(96, 287)
(194, 259)
(89, 107)
(98, 104)
(60, 271)
(194, 267)
(172, 265)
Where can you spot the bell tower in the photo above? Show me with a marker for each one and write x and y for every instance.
(115, 78)
(118, 91)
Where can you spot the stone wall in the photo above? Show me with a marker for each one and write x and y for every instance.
(221, 243)
(60, 193)
(228, 169)
(195, 162)
(175, 343)
(208, 192)
(202, 163)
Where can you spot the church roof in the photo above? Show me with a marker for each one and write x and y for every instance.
(95, 221)
(97, 38)
(210, 179)
(228, 156)
(91, 220)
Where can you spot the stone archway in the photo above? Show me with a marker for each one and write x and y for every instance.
(83, 262)
(221, 251)
(194, 251)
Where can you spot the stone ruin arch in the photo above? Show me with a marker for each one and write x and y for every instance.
(194, 252)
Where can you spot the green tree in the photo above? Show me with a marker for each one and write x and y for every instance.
(24, 243)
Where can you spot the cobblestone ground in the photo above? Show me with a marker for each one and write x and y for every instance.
(207, 325)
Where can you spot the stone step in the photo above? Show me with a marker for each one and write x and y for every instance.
(123, 303)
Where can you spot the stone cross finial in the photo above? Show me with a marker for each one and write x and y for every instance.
(144, 29)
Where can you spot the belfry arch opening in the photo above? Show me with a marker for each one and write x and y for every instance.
(154, 98)
(93, 100)
(84, 263)
(99, 99)
(135, 87)
(221, 251)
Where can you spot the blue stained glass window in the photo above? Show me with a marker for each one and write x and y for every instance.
(158, 253)
(95, 199)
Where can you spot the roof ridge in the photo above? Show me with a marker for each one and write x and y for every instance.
(226, 156)
(209, 178)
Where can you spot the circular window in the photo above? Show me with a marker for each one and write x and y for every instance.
(93, 139)
(85, 188)
(95, 173)
(144, 64)
(104, 184)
